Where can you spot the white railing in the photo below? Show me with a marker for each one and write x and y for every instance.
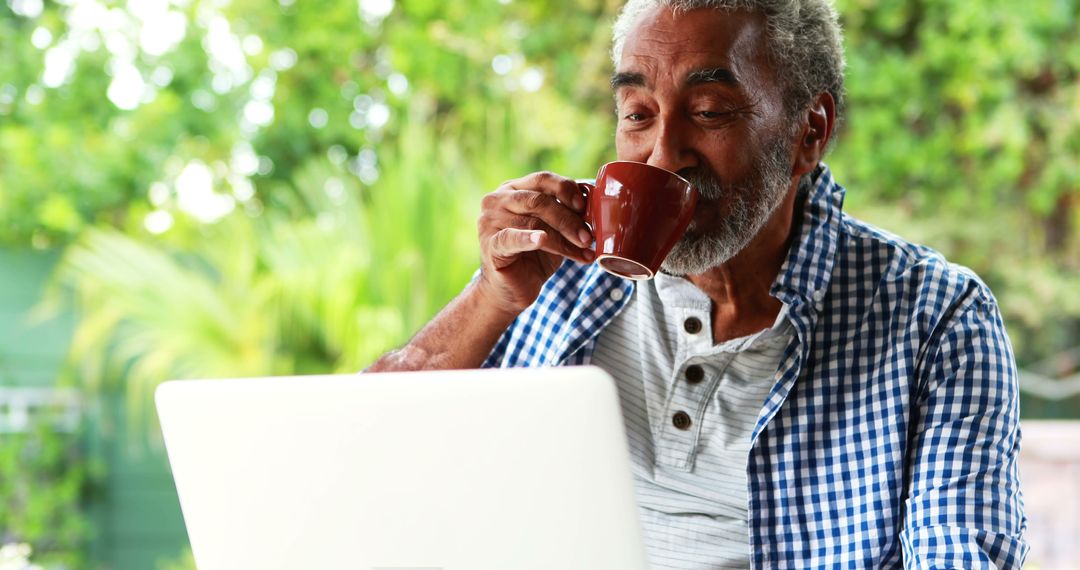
(1044, 379)
(22, 408)
(1047, 387)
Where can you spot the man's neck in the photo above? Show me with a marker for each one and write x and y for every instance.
(739, 289)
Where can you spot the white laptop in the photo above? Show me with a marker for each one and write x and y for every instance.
(456, 470)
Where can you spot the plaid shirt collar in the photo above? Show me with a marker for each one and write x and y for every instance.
(804, 277)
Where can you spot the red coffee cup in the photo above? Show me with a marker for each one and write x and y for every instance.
(637, 213)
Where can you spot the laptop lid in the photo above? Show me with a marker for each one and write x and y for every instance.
(454, 470)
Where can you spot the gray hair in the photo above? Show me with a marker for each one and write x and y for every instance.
(804, 43)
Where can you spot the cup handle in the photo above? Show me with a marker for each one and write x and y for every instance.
(586, 189)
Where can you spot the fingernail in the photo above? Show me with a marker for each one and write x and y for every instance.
(588, 254)
(585, 237)
(535, 236)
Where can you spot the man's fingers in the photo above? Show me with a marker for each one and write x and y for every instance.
(557, 244)
(545, 208)
(566, 190)
(537, 212)
(508, 243)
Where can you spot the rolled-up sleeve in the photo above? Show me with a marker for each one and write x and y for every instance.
(964, 508)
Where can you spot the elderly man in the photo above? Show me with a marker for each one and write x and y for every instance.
(800, 388)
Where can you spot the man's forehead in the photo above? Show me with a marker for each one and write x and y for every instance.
(699, 46)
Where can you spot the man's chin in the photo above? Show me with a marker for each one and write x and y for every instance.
(695, 254)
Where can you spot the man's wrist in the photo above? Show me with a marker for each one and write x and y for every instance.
(486, 299)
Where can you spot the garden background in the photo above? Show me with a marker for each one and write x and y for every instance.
(214, 188)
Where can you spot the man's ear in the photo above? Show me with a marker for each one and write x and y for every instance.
(819, 119)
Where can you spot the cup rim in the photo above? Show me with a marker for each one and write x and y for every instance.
(675, 174)
(621, 258)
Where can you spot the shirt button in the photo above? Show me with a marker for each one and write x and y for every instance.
(616, 294)
(681, 420)
(694, 374)
(692, 325)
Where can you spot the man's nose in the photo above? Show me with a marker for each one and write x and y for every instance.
(671, 150)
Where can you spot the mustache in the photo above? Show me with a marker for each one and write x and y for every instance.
(707, 182)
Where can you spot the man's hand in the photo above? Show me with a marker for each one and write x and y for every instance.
(526, 227)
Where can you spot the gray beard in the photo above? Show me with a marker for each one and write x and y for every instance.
(751, 206)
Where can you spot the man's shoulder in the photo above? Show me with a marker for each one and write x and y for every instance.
(573, 305)
(868, 252)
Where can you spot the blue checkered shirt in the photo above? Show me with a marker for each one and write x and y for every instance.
(890, 437)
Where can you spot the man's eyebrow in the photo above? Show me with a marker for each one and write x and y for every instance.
(711, 75)
(627, 79)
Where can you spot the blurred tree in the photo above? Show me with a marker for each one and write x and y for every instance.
(964, 133)
(323, 285)
(344, 175)
(43, 481)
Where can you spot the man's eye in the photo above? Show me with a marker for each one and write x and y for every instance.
(710, 114)
(634, 117)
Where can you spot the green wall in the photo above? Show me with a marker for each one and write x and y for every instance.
(30, 355)
(133, 508)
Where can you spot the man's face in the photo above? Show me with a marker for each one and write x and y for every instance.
(697, 95)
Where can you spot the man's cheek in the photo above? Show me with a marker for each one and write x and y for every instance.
(632, 145)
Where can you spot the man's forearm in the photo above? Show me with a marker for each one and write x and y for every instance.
(460, 336)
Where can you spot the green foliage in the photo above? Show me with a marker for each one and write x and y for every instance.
(360, 226)
(185, 562)
(330, 279)
(43, 480)
(964, 133)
